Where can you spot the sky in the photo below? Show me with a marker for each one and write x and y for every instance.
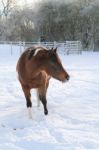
(21, 2)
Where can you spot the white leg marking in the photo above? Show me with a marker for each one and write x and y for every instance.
(38, 100)
(30, 113)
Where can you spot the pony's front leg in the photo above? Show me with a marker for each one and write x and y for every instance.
(38, 99)
(42, 97)
(28, 101)
(44, 102)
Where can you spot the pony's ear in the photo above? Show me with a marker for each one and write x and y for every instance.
(52, 49)
(55, 50)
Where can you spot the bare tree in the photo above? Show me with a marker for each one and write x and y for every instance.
(7, 6)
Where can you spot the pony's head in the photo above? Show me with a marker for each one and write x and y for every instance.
(54, 66)
(49, 61)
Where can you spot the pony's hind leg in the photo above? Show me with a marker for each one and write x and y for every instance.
(42, 97)
(28, 101)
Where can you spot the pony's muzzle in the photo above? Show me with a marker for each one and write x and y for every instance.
(66, 79)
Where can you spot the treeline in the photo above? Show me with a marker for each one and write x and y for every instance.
(51, 21)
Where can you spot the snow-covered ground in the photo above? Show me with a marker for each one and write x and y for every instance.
(73, 120)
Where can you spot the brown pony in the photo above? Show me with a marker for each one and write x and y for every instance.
(35, 67)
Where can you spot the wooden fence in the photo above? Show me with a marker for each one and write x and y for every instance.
(69, 47)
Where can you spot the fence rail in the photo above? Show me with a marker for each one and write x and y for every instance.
(69, 47)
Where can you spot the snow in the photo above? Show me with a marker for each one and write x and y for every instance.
(73, 119)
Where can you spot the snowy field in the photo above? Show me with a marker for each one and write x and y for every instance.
(73, 120)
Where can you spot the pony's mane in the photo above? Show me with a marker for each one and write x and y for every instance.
(34, 50)
(31, 53)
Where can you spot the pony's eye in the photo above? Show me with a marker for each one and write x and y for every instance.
(53, 59)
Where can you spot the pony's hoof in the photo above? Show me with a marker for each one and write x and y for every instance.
(46, 112)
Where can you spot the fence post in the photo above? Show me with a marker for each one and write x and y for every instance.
(55, 44)
(11, 49)
(24, 45)
(20, 46)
